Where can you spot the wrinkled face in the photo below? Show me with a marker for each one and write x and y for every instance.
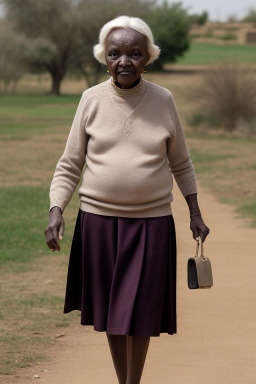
(126, 55)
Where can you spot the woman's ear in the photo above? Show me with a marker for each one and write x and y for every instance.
(149, 56)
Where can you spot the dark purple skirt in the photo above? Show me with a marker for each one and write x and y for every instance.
(122, 274)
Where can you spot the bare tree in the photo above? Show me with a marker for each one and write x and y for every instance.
(52, 23)
(228, 91)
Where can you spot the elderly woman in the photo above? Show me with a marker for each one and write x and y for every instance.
(128, 134)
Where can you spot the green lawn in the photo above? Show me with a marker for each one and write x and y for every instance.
(207, 53)
(22, 115)
(33, 131)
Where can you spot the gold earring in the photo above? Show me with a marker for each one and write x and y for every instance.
(145, 71)
(107, 71)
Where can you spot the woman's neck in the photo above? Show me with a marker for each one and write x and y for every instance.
(133, 85)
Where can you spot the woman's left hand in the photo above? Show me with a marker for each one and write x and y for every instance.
(199, 228)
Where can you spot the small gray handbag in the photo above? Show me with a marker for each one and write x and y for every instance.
(199, 270)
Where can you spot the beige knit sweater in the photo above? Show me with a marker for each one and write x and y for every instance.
(130, 141)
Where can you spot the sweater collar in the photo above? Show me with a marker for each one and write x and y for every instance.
(137, 90)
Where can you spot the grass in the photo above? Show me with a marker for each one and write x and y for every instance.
(249, 209)
(206, 53)
(227, 167)
(22, 115)
(28, 327)
(23, 217)
(22, 362)
(199, 157)
(33, 131)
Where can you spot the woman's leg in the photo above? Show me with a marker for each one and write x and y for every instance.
(137, 352)
(118, 348)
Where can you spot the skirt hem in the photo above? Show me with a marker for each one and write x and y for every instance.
(104, 329)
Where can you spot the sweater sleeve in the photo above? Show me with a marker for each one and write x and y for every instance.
(178, 155)
(69, 167)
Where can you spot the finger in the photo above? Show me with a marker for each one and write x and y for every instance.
(52, 245)
(56, 241)
(203, 237)
(61, 230)
(204, 233)
(55, 245)
(195, 234)
(48, 239)
(52, 241)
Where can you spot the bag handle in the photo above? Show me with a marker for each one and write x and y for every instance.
(202, 249)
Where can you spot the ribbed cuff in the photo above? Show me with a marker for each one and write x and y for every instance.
(54, 207)
(188, 186)
(55, 201)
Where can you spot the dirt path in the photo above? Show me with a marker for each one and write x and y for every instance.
(215, 343)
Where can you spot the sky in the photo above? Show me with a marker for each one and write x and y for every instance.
(219, 10)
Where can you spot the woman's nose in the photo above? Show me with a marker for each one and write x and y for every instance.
(124, 60)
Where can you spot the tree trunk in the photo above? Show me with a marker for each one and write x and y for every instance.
(6, 86)
(56, 81)
(14, 87)
(92, 73)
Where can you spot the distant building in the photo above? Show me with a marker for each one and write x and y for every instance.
(232, 33)
(247, 36)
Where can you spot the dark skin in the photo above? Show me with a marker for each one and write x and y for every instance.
(126, 57)
(55, 229)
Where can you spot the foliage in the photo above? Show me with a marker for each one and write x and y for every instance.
(199, 118)
(170, 25)
(199, 19)
(251, 16)
(228, 36)
(203, 18)
(232, 18)
(228, 91)
(53, 25)
(12, 61)
(63, 32)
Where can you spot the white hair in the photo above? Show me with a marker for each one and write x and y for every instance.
(124, 21)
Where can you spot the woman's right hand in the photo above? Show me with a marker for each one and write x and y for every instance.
(55, 229)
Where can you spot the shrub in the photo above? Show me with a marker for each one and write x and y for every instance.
(170, 25)
(228, 37)
(228, 91)
(201, 118)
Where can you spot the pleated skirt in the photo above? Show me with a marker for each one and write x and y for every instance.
(122, 274)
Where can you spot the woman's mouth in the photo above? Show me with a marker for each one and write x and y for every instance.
(125, 73)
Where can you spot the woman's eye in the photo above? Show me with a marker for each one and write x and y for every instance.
(136, 54)
(112, 54)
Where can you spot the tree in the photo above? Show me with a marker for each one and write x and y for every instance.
(52, 24)
(228, 92)
(170, 25)
(232, 18)
(62, 32)
(198, 19)
(251, 16)
(202, 18)
(12, 60)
